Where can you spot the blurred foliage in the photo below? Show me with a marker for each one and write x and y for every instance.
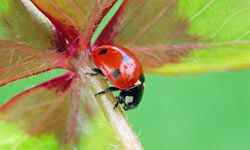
(14, 138)
(18, 86)
(100, 137)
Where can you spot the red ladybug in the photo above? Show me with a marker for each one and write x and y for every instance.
(123, 70)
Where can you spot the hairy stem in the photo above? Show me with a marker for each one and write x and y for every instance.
(118, 121)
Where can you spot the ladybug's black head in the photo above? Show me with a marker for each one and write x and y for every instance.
(132, 97)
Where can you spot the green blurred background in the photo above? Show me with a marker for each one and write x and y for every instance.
(198, 112)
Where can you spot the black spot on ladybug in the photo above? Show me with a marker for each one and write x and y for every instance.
(116, 73)
(103, 51)
(142, 78)
(125, 58)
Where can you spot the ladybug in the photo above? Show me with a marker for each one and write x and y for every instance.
(123, 70)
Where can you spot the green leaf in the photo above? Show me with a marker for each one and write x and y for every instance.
(179, 37)
(72, 18)
(19, 60)
(44, 108)
(53, 106)
(101, 137)
(14, 88)
(14, 138)
(105, 20)
(220, 58)
(21, 21)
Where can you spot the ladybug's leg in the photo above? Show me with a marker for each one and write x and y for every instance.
(97, 72)
(110, 89)
(119, 100)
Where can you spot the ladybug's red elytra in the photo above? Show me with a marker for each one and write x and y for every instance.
(124, 71)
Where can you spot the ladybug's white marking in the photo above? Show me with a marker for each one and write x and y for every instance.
(129, 99)
(138, 82)
(125, 58)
